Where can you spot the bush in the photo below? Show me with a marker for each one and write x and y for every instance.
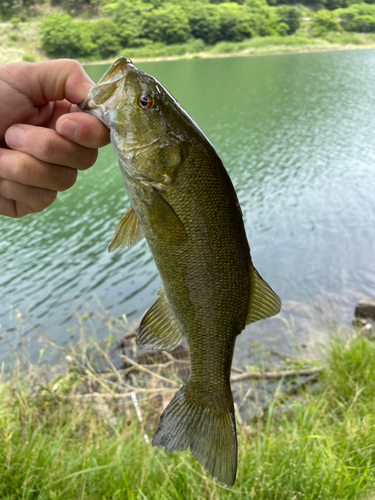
(360, 17)
(283, 29)
(168, 24)
(204, 21)
(335, 4)
(363, 24)
(263, 20)
(224, 22)
(291, 16)
(15, 21)
(60, 36)
(28, 58)
(15, 9)
(234, 22)
(127, 17)
(325, 22)
(63, 37)
(105, 38)
(128, 27)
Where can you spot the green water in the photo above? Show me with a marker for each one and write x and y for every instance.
(297, 135)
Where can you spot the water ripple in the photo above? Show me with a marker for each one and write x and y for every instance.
(296, 133)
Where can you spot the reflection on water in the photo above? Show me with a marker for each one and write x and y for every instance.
(297, 135)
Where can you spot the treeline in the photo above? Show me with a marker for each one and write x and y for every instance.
(196, 24)
(24, 8)
(135, 25)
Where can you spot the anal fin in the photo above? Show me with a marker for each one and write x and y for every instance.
(264, 302)
(158, 328)
(128, 232)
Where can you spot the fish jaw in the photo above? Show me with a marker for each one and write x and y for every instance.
(141, 138)
(100, 100)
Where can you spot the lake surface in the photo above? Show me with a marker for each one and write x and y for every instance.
(297, 135)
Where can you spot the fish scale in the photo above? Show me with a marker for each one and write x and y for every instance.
(184, 204)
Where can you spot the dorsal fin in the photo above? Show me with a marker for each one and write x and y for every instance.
(264, 302)
(158, 328)
(128, 232)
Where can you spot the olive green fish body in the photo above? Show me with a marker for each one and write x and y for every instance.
(183, 202)
(204, 264)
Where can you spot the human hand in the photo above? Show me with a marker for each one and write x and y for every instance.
(44, 138)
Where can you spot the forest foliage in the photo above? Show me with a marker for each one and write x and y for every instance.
(93, 29)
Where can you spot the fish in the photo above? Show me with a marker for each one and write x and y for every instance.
(183, 202)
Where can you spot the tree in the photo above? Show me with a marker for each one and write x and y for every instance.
(204, 21)
(11, 8)
(168, 24)
(357, 17)
(105, 37)
(234, 22)
(60, 36)
(324, 22)
(363, 24)
(263, 20)
(289, 15)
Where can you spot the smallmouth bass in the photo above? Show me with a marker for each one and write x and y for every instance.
(184, 204)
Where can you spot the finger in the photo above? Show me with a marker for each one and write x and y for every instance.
(35, 198)
(61, 108)
(15, 209)
(52, 81)
(83, 129)
(47, 145)
(27, 170)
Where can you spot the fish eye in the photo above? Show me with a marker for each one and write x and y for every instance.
(145, 101)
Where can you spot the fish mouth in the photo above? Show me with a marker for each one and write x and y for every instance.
(98, 100)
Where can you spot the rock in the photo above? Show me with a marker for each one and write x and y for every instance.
(368, 331)
(362, 322)
(366, 309)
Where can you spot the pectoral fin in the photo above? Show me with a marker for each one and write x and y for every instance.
(264, 302)
(128, 232)
(159, 329)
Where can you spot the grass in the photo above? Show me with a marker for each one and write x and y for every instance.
(20, 42)
(318, 445)
(254, 46)
(294, 43)
(156, 50)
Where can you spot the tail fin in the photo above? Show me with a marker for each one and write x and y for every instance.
(210, 435)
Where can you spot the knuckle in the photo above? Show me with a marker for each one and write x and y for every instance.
(85, 158)
(44, 199)
(92, 156)
(22, 169)
(47, 150)
(5, 188)
(74, 65)
(68, 178)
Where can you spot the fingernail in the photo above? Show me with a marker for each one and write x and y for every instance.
(14, 136)
(68, 128)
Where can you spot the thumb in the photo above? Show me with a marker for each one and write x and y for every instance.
(55, 81)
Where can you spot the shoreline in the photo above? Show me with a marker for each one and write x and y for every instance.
(263, 51)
